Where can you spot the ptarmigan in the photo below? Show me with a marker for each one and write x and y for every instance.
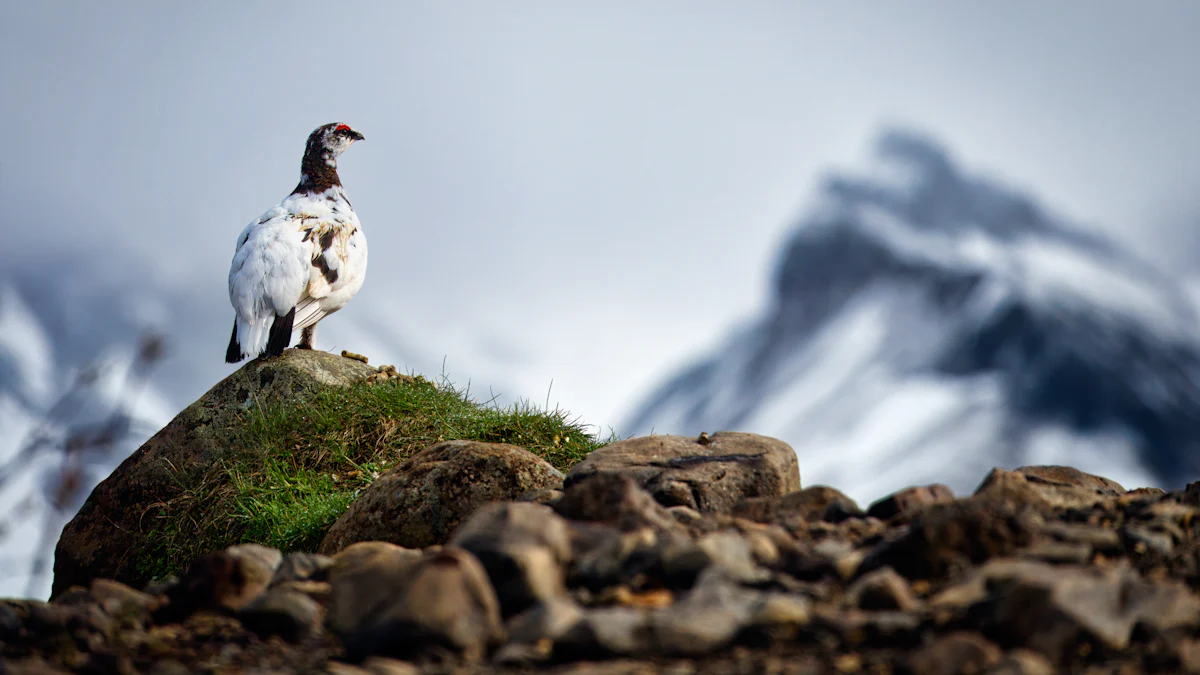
(302, 260)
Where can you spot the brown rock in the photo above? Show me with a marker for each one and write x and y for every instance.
(1022, 662)
(1050, 608)
(1098, 538)
(524, 547)
(615, 499)
(363, 578)
(545, 496)
(302, 566)
(882, 589)
(120, 600)
(909, 500)
(955, 534)
(226, 580)
(102, 540)
(280, 611)
(1065, 475)
(441, 600)
(1058, 487)
(818, 502)
(420, 502)
(960, 652)
(711, 477)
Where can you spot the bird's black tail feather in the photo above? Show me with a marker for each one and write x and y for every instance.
(281, 334)
(234, 353)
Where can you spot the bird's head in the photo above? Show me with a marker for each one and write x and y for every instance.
(331, 140)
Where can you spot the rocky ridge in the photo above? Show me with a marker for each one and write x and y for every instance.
(660, 553)
(1041, 570)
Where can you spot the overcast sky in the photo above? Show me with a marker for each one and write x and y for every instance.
(583, 192)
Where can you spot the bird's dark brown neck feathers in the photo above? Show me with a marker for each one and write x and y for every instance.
(318, 172)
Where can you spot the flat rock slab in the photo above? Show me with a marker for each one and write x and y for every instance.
(711, 474)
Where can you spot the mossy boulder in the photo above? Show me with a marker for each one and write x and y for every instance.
(419, 503)
(120, 518)
(275, 454)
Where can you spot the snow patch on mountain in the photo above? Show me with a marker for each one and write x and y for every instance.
(928, 324)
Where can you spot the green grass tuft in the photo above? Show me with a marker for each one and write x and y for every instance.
(303, 462)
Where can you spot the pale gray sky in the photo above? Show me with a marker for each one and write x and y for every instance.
(580, 191)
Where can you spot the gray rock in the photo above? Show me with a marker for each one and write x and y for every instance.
(289, 614)
(533, 633)
(731, 551)
(302, 566)
(615, 557)
(420, 502)
(711, 474)
(708, 618)
(547, 620)
(608, 631)
(524, 547)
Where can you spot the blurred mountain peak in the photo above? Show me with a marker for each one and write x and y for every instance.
(933, 323)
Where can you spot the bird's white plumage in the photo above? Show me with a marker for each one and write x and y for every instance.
(307, 253)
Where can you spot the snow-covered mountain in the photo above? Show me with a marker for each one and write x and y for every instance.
(928, 324)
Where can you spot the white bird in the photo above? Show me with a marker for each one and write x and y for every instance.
(300, 261)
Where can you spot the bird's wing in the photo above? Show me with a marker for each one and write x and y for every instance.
(308, 312)
(269, 274)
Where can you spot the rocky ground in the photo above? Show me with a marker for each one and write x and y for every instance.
(653, 554)
(665, 554)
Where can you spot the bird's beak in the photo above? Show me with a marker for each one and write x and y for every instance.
(356, 136)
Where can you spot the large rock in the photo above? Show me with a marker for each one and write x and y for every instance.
(390, 602)
(710, 473)
(524, 548)
(819, 502)
(104, 538)
(1047, 486)
(420, 502)
(1052, 609)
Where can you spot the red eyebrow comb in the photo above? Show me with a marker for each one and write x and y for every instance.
(343, 127)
